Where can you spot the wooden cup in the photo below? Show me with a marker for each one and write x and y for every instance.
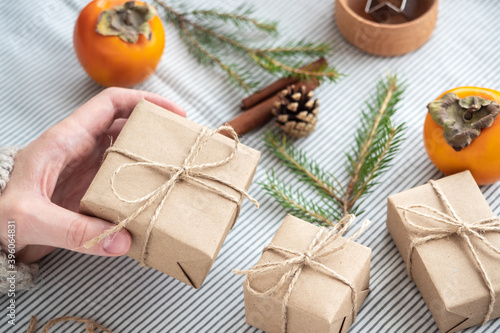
(385, 39)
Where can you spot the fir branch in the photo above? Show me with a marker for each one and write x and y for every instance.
(209, 44)
(230, 41)
(376, 143)
(298, 205)
(298, 48)
(204, 55)
(378, 165)
(238, 18)
(296, 160)
(275, 66)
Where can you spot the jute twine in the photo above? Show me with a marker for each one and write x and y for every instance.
(299, 260)
(188, 171)
(90, 328)
(453, 225)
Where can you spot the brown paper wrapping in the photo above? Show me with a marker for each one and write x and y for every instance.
(194, 221)
(318, 303)
(443, 270)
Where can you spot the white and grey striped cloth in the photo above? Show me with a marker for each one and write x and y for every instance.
(42, 82)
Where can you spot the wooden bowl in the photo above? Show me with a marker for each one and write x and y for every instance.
(384, 39)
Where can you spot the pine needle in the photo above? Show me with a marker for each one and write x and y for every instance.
(376, 143)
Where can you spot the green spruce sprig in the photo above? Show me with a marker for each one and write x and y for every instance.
(239, 18)
(376, 143)
(208, 36)
(297, 204)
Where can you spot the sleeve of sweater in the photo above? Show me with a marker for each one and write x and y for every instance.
(24, 274)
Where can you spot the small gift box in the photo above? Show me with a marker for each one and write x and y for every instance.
(450, 241)
(309, 279)
(176, 186)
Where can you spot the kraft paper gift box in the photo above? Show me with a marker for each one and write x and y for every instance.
(318, 303)
(444, 269)
(194, 220)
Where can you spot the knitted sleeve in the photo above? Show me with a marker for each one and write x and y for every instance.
(24, 274)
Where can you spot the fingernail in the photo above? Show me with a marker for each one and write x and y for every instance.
(117, 244)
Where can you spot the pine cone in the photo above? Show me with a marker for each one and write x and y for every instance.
(296, 111)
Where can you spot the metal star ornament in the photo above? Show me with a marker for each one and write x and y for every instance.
(375, 5)
(383, 10)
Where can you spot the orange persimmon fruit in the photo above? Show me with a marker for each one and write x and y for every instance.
(118, 43)
(481, 156)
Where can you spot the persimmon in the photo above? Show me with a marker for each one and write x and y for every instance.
(118, 43)
(462, 132)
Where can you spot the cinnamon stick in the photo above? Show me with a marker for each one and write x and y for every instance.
(277, 86)
(261, 113)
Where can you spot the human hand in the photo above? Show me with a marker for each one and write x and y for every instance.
(52, 173)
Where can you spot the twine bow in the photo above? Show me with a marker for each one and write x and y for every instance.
(188, 171)
(299, 260)
(453, 226)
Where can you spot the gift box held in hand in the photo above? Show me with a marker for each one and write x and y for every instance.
(309, 279)
(176, 186)
(450, 241)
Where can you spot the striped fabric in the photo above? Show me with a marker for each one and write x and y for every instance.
(42, 82)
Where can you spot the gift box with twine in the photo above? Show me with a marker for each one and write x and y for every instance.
(450, 241)
(309, 279)
(175, 186)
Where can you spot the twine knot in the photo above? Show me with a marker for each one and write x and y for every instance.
(188, 171)
(299, 260)
(453, 225)
(183, 173)
(463, 229)
(307, 257)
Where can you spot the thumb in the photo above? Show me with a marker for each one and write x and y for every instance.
(66, 229)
